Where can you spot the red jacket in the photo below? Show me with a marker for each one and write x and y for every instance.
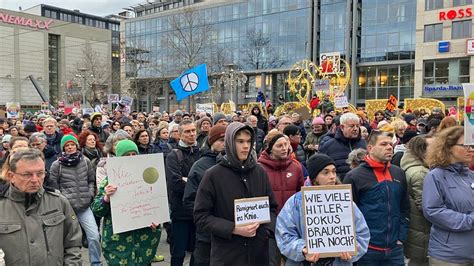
(285, 176)
(314, 103)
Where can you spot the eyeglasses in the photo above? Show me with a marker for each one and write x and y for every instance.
(28, 175)
(466, 147)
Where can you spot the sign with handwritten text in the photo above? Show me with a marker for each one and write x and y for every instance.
(251, 210)
(329, 222)
(141, 196)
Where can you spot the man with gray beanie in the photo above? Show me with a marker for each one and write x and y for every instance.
(220, 119)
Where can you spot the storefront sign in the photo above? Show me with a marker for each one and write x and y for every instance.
(455, 13)
(435, 88)
(470, 47)
(443, 47)
(27, 22)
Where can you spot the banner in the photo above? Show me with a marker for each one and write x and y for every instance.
(141, 197)
(192, 81)
(329, 220)
(468, 113)
(13, 109)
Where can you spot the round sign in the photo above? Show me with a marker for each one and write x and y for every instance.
(150, 175)
(190, 82)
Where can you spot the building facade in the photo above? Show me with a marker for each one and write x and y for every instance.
(377, 37)
(48, 49)
(444, 48)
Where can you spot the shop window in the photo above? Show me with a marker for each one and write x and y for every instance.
(461, 2)
(452, 72)
(433, 32)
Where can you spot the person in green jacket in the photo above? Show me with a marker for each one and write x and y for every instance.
(415, 167)
(137, 247)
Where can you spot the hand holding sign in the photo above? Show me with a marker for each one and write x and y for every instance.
(247, 230)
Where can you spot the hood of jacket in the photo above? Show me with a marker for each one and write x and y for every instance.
(409, 160)
(230, 158)
(271, 163)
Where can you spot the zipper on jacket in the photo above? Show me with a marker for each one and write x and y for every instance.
(45, 238)
(388, 204)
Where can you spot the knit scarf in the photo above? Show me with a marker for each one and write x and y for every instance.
(91, 153)
(70, 160)
(381, 170)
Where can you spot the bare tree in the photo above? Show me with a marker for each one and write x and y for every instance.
(95, 69)
(190, 34)
(258, 53)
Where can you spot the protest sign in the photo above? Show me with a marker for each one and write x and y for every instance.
(341, 102)
(251, 210)
(468, 113)
(205, 107)
(88, 111)
(391, 105)
(141, 196)
(321, 85)
(156, 108)
(126, 100)
(113, 98)
(303, 112)
(13, 109)
(329, 220)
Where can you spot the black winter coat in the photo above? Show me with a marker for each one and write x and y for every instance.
(178, 166)
(207, 160)
(338, 148)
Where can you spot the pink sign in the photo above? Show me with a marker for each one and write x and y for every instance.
(28, 22)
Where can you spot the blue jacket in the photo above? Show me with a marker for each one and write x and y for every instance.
(290, 230)
(380, 192)
(338, 148)
(448, 203)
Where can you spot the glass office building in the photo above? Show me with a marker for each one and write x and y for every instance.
(381, 43)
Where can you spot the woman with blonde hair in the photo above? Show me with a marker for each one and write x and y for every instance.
(400, 127)
(448, 199)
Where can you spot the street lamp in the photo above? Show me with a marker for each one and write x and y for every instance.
(233, 79)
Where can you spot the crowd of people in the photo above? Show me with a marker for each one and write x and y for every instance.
(411, 179)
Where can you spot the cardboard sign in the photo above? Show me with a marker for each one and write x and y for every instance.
(251, 210)
(141, 197)
(113, 98)
(303, 112)
(13, 109)
(329, 220)
(205, 107)
(341, 102)
(126, 100)
(321, 85)
(156, 108)
(88, 111)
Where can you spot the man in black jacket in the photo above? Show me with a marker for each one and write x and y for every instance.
(178, 164)
(209, 158)
(237, 176)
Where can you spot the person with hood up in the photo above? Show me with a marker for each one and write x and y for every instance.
(96, 127)
(262, 121)
(209, 158)
(285, 175)
(74, 175)
(448, 199)
(136, 247)
(290, 227)
(311, 144)
(416, 168)
(236, 176)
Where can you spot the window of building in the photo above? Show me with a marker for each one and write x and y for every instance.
(54, 14)
(433, 32)
(461, 2)
(443, 72)
(462, 29)
(47, 13)
(433, 4)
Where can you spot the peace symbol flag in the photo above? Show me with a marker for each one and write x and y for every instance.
(192, 81)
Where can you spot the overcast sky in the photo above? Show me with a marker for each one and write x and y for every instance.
(94, 7)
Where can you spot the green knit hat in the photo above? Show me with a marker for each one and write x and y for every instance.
(125, 146)
(67, 138)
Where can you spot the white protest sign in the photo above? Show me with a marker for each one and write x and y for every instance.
(141, 197)
(205, 107)
(13, 109)
(251, 210)
(341, 102)
(468, 113)
(88, 111)
(113, 98)
(126, 100)
(329, 220)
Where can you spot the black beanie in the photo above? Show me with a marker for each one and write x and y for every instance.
(272, 142)
(317, 163)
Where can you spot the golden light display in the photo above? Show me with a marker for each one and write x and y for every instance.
(372, 106)
(423, 103)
